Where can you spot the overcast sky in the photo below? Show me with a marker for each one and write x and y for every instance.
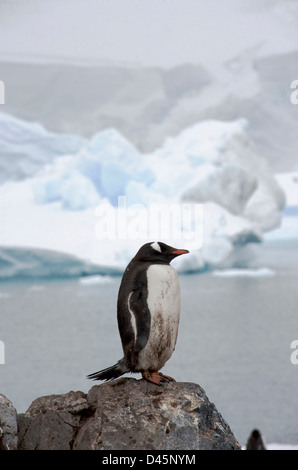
(145, 32)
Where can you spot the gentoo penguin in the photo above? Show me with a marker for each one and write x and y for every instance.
(148, 312)
(255, 441)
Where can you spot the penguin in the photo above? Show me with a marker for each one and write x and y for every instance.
(255, 441)
(148, 313)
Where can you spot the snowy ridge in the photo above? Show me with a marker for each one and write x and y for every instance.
(71, 206)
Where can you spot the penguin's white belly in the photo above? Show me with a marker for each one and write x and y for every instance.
(164, 304)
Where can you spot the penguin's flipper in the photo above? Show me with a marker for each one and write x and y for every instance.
(138, 307)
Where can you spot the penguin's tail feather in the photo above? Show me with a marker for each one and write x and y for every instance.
(110, 373)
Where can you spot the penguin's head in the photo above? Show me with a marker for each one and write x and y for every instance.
(158, 251)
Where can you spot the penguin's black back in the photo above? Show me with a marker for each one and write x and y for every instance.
(133, 287)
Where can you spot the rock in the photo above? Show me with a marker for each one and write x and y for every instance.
(51, 421)
(8, 424)
(126, 414)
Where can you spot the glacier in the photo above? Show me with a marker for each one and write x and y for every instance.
(52, 217)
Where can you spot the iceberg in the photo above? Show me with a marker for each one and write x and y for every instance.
(229, 185)
(102, 169)
(216, 161)
(111, 161)
(36, 263)
(94, 280)
(206, 190)
(261, 272)
(288, 229)
(26, 147)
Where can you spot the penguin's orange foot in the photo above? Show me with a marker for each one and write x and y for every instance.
(156, 377)
(167, 377)
(153, 377)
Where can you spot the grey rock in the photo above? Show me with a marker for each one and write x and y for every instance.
(126, 414)
(51, 421)
(8, 424)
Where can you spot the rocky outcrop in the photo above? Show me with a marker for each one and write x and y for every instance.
(126, 414)
(8, 424)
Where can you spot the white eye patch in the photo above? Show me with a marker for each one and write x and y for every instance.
(156, 246)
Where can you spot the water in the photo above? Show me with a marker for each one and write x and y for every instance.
(234, 340)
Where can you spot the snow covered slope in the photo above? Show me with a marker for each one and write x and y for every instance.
(149, 104)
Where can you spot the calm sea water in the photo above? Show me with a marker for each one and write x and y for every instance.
(234, 340)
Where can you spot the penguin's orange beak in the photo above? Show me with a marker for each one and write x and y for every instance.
(179, 252)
